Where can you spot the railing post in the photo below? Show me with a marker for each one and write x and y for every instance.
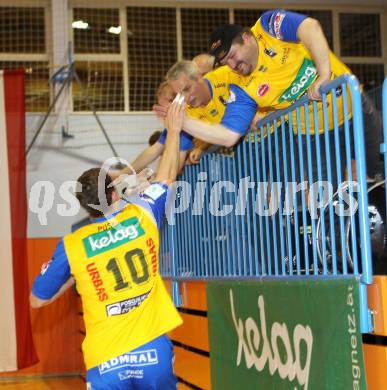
(365, 240)
(172, 244)
(366, 322)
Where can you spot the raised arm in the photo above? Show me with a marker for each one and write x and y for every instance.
(169, 163)
(147, 156)
(310, 33)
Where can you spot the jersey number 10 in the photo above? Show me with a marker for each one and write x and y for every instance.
(130, 258)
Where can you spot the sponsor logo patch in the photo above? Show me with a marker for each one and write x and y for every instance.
(126, 231)
(285, 55)
(155, 191)
(130, 359)
(129, 374)
(304, 78)
(277, 24)
(216, 44)
(263, 89)
(123, 307)
(270, 52)
(44, 267)
(231, 98)
(222, 100)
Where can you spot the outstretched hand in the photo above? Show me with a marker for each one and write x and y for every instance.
(314, 90)
(175, 115)
(160, 111)
(195, 155)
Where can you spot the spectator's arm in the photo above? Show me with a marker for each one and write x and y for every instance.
(169, 163)
(203, 145)
(146, 157)
(211, 133)
(312, 36)
(182, 159)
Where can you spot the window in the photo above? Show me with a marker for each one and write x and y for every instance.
(325, 19)
(96, 35)
(97, 32)
(37, 87)
(101, 86)
(197, 25)
(370, 75)
(360, 35)
(22, 30)
(152, 49)
(247, 17)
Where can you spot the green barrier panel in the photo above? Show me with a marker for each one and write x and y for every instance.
(285, 334)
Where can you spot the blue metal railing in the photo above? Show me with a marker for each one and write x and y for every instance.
(282, 203)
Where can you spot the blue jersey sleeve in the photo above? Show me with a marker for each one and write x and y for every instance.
(282, 24)
(163, 137)
(53, 274)
(240, 111)
(154, 200)
(185, 140)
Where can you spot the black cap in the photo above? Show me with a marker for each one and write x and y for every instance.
(221, 39)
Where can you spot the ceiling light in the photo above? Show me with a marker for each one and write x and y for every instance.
(115, 30)
(80, 24)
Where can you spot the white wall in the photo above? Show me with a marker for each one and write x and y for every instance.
(57, 159)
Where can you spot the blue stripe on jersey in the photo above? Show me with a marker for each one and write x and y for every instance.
(155, 198)
(240, 111)
(209, 86)
(53, 275)
(282, 24)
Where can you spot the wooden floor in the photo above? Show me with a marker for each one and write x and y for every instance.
(50, 384)
(64, 383)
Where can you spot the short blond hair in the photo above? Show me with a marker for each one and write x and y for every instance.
(189, 68)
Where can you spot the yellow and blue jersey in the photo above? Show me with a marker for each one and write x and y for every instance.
(284, 72)
(218, 81)
(115, 264)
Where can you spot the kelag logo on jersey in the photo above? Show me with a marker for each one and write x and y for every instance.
(126, 231)
(305, 77)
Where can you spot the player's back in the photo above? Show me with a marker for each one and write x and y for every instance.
(115, 265)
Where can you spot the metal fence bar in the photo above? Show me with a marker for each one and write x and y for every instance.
(279, 199)
(286, 180)
(294, 201)
(350, 180)
(272, 192)
(304, 231)
(311, 191)
(339, 180)
(330, 187)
